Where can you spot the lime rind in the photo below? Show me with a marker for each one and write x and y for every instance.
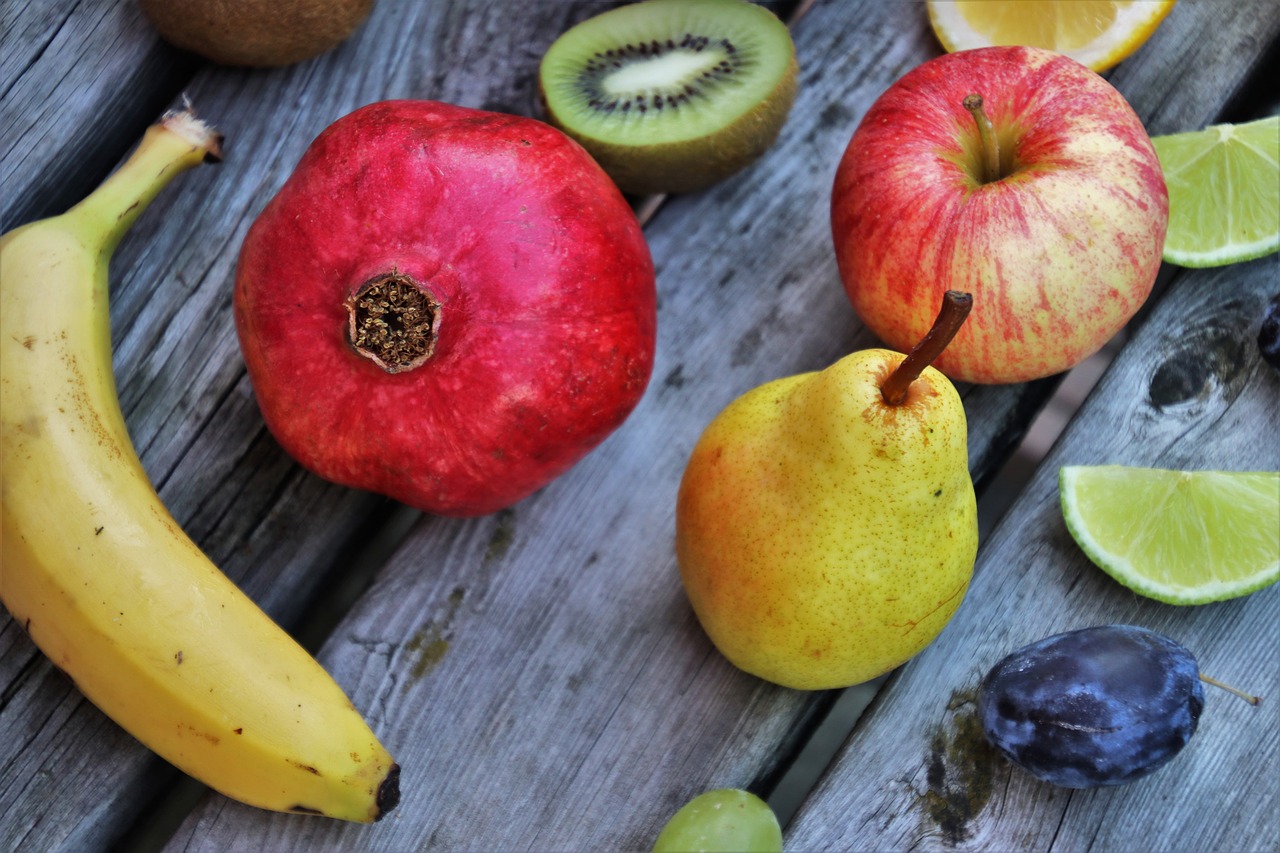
(1179, 537)
(1224, 193)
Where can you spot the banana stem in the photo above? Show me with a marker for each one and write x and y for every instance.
(987, 137)
(176, 143)
(955, 308)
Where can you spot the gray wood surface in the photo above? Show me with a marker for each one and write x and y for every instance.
(77, 80)
(538, 673)
(70, 778)
(599, 707)
(1188, 392)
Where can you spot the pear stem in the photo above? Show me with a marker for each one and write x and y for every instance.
(1248, 697)
(987, 136)
(955, 308)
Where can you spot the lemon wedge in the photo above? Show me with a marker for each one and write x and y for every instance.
(1095, 33)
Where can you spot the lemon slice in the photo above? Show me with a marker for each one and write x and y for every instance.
(1095, 33)
(1224, 193)
(1182, 537)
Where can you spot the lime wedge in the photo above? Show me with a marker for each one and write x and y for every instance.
(1182, 537)
(1224, 193)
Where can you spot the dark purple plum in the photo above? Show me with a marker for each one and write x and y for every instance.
(1269, 334)
(1092, 707)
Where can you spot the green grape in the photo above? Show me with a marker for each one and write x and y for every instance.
(722, 821)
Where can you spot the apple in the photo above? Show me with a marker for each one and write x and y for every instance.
(1042, 197)
(446, 306)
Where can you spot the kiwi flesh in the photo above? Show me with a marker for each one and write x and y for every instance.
(672, 95)
(256, 33)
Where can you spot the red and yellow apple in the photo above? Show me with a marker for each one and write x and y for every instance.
(1053, 216)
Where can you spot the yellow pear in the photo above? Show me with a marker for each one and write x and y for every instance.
(826, 525)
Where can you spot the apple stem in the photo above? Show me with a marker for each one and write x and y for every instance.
(987, 135)
(955, 308)
(1248, 697)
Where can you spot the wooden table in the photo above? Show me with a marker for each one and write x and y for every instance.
(538, 673)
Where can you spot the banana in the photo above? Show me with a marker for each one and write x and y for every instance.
(100, 574)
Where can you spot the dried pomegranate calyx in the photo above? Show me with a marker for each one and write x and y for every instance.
(393, 322)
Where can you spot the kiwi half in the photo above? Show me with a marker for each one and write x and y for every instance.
(672, 95)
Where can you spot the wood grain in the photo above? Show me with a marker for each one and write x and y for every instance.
(78, 81)
(598, 706)
(537, 672)
(539, 675)
(68, 777)
(1188, 392)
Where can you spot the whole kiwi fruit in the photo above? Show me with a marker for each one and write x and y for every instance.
(672, 95)
(257, 33)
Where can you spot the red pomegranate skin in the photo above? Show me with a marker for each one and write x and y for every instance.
(544, 324)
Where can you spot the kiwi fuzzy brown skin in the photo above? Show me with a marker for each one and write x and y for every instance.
(689, 166)
(740, 90)
(256, 33)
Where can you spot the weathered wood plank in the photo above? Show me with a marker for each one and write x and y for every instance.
(279, 532)
(77, 83)
(69, 778)
(1188, 391)
(189, 408)
(539, 674)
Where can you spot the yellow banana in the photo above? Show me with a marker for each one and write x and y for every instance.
(97, 570)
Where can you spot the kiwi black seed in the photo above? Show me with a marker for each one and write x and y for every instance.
(672, 95)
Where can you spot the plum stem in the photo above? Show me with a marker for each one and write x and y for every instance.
(955, 308)
(987, 137)
(1248, 697)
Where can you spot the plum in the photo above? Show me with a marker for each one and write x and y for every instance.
(1092, 707)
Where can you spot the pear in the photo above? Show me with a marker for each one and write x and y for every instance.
(826, 524)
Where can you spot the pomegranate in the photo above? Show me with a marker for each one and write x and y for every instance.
(446, 306)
